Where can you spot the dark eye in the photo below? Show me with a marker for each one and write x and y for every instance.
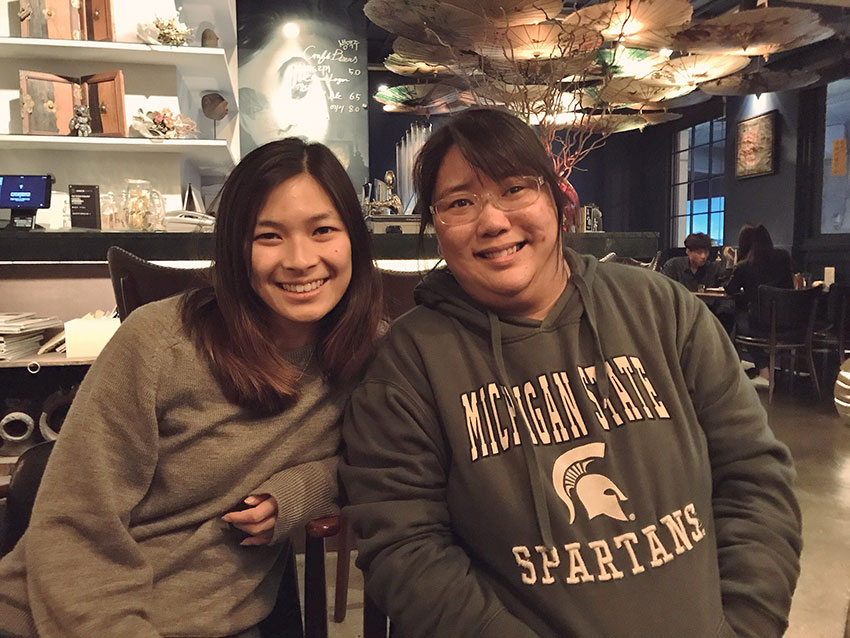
(515, 188)
(324, 230)
(460, 202)
(266, 236)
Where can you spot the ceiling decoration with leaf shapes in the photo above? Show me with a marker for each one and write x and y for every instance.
(579, 74)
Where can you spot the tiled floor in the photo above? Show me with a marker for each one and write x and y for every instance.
(820, 443)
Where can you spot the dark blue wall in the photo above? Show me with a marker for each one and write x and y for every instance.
(767, 199)
(387, 129)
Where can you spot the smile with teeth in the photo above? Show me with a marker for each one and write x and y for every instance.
(501, 252)
(308, 287)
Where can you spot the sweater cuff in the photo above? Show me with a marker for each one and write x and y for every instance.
(749, 622)
(302, 493)
(506, 624)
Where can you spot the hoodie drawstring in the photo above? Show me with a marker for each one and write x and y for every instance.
(598, 353)
(535, 478)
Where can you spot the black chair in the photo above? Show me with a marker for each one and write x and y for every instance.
(783, 321)
(20, 495)
(136, 281)
(836, 336)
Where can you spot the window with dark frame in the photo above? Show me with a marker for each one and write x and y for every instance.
(697, 194)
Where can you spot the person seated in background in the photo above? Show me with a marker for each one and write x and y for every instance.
(759, 264)
(225, 398)
(693, 270)
(550, 446)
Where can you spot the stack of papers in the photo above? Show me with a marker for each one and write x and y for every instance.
(21, 333)
(22, 322)
(17, 346)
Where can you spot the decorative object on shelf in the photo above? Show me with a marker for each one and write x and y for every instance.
(168, 31)
(99, 23)
(164, 124)
(209, 38)
(48, 101)
(214, 106)
(17, 426)
(54, 19)
(390, 204)
(80, 124)
(754, 149)
(192, 202)
(591, 219)
(143, 206)
(53, 412)
(111, 214)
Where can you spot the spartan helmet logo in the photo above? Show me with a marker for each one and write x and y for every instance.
(597, 493)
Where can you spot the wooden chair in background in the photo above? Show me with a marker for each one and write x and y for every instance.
(783, 321)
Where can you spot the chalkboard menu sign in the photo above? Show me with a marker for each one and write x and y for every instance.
(303, 72)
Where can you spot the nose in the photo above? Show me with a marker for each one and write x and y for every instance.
(298, 254)
(492, 220)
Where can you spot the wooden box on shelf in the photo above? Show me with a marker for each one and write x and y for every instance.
(99, 23)
(54, 19)
(48, 100)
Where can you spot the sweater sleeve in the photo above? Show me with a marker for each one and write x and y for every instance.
(85, 573)
(394, 473)
(756, 516)
(302, 492)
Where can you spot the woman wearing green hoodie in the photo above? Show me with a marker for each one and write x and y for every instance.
(536, 449)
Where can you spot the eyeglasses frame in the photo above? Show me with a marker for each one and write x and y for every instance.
(539, 180)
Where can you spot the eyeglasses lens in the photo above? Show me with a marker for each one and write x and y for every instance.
(462, 208)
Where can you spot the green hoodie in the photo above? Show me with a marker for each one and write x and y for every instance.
(498, 490)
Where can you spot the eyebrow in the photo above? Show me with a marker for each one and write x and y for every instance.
(313, 219)
(463, 187)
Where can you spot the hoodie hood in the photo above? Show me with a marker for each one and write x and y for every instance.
(440, 291)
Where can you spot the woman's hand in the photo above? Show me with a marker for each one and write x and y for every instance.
(257, 521)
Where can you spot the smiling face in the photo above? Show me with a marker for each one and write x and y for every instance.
(300, 257)
(509, 261)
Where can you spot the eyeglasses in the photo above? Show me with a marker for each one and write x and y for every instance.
(463, 208)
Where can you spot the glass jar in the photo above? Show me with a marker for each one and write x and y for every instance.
(143, 206)
(111, 214)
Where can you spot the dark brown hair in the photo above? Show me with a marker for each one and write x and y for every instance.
(698, 241)
(494, 142)
(754, 244)
(228, 320)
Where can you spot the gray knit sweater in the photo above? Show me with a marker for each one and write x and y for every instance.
(126, 538)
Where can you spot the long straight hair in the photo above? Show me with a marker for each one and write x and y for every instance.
(231, 324)
(755, 244)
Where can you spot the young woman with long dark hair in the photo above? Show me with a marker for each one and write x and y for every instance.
(759, 263)
(222, 399)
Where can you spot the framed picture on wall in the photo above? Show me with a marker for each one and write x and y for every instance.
(755, 149)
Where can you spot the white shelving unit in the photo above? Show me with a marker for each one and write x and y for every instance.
(210, 156)
(203, 69)
(155, 77)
